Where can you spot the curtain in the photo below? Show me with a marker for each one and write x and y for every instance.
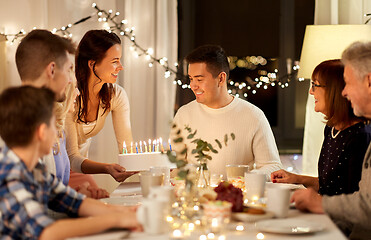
(151, 95)
(327, 12)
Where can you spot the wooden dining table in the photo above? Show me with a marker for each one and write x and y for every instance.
(130, 194)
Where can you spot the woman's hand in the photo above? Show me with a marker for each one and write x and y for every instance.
(282, 176)
(118, 172)
(92, 192)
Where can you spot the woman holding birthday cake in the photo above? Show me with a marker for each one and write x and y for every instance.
(97, 66)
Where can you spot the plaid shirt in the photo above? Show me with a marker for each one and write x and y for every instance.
(25, 197)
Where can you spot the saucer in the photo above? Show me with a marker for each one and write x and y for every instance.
(249, 217)
(285, 185)
(289, 226)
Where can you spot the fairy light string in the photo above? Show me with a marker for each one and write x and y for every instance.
(239, 89)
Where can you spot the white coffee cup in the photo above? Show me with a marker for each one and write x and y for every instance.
(254, 185)
(152, 215)
(148, 179)
(278, 200)
(164, 193)
(165, 171)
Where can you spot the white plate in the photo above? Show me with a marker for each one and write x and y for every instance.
(248, 217)
(123, 201)
(286, 185)
(289, 226)
(113, 234)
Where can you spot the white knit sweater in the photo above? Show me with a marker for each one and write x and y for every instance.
(76, 138)
(254, 141)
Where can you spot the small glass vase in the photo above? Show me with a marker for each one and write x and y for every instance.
(203, 175)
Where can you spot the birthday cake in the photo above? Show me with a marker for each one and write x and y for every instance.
(143, 161)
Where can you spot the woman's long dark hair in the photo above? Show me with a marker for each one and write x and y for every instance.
(93, 46)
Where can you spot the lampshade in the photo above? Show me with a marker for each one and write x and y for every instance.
(324, 42)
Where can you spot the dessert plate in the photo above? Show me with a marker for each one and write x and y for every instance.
(249, 217)
(289, 226)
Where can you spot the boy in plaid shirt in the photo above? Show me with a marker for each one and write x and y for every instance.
(27, 126)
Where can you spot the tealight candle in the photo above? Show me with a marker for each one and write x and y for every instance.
(214, 222)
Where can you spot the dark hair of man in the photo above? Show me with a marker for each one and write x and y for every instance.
(38, 49)
(338, 109)
(213, 55)
(23, 110)
(93, 46)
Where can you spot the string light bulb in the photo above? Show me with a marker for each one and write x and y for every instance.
(150, 51)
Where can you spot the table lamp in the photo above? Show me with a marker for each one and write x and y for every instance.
(324, 42)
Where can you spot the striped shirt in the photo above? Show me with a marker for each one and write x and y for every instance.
(25, 197)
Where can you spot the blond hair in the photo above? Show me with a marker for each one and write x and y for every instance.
(61, 110)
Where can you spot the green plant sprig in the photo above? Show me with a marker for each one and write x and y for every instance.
(202, 152)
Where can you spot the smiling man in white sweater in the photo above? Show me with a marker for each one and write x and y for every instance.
(215, 113)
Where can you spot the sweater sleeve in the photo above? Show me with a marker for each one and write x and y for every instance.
(353, 208)
(72, 144)
(121, 117)
(264, 147)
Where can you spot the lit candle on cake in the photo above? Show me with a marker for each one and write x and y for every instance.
(140, 146)
(154, 146)
(136, 147)
(162, 146)
(170, 145)
(124, 150)
(145, 146)
(149, 145)
(131, 147)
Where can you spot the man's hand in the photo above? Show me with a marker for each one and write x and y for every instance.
(307, 200)
(118, 172)
(282, 176)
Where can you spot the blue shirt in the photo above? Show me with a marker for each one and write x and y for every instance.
(25, 197)
(62, 162)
